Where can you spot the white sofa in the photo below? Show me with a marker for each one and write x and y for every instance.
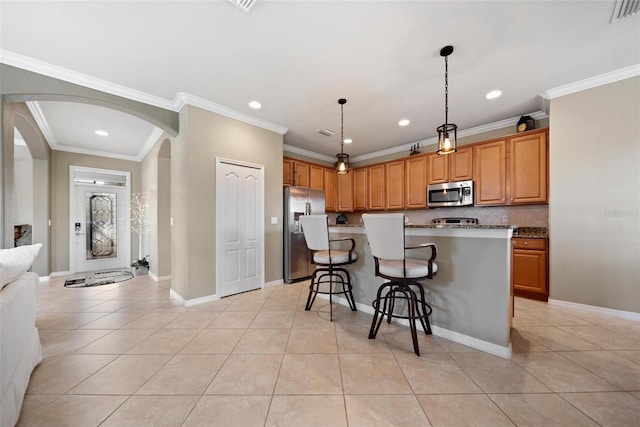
(20, 349)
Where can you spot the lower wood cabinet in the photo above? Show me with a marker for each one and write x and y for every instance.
(529, 268)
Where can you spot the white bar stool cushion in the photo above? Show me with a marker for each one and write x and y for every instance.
(337, 257)
(415, 268)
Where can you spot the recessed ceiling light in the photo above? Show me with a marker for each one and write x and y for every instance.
(348, 140)
(255, 105)
(493, 94)
(102, 133)
(403, 122)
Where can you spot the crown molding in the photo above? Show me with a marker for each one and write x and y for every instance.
(36, 112)
(77, 150)
(60, 73)
(433, 141)
(312, 154)
(592, 82)
(183, 98)
(156, 133)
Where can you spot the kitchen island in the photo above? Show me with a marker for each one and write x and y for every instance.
(471, 295)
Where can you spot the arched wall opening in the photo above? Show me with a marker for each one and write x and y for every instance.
(26, 183)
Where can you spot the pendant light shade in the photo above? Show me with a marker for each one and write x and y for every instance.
(448, 132)
(342, 164)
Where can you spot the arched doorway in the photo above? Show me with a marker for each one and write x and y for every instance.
(29, 195)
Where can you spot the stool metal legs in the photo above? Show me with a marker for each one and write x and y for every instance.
(417, 308)
(333, 276)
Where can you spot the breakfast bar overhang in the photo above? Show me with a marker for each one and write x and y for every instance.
(471, 295)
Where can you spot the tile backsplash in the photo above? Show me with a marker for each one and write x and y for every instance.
(523, 216)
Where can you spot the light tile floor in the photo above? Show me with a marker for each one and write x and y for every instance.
(128, 355)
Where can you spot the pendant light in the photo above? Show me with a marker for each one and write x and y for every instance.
(342, 165)
(448, 132)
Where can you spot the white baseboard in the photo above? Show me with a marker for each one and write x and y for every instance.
(159, 278)
(273, 283)
(191, 302)
(59, 274)
(629, 315)
(487, 347)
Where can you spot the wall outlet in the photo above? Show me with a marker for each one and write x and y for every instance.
(274, 220)
(505, 219)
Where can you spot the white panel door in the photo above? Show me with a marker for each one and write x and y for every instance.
(239, 228)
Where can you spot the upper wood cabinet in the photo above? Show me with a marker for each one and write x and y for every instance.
(360, 188)
(394, 184)
(300, 174)
(415, 169)
(438, 168)
(330, 194)
(528, 168)
(376, 184)
(512, 171)
(296, 173)
(345, 192)
(461, 164)
(509, 170)
(451, 167)
(316, 177)
(490, 173)
(287, 171)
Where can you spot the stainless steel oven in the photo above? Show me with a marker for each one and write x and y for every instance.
(458, 193)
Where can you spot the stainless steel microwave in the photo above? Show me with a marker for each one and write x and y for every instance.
(450, 194)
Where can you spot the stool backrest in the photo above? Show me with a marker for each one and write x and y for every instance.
(316, 231)
(385, 233)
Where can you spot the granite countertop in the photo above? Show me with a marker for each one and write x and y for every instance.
(486, 227)
(531, 233)
(518, 232)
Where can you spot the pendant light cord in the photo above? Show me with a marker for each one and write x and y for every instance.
(341, 128)
(446, 90)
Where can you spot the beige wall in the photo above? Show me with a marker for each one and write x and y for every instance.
(155, 171)
(594, 209)
(203, 137)
(60, 162)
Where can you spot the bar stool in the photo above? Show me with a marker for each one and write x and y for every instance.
(385, 233)
(329, 262)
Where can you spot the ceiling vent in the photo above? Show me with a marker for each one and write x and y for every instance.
(327, 132)
(245, 5)
(624, 9)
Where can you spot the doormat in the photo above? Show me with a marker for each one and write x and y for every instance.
(97, 278)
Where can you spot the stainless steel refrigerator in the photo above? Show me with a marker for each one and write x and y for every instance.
(298, 201)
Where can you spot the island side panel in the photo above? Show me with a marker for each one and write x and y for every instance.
(471, 293)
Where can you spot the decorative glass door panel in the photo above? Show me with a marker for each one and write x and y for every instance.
(102, 230)
(99, 228)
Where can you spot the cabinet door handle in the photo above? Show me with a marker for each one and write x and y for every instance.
(526, 243)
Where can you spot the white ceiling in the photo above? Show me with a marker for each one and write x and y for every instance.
(298, 57)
